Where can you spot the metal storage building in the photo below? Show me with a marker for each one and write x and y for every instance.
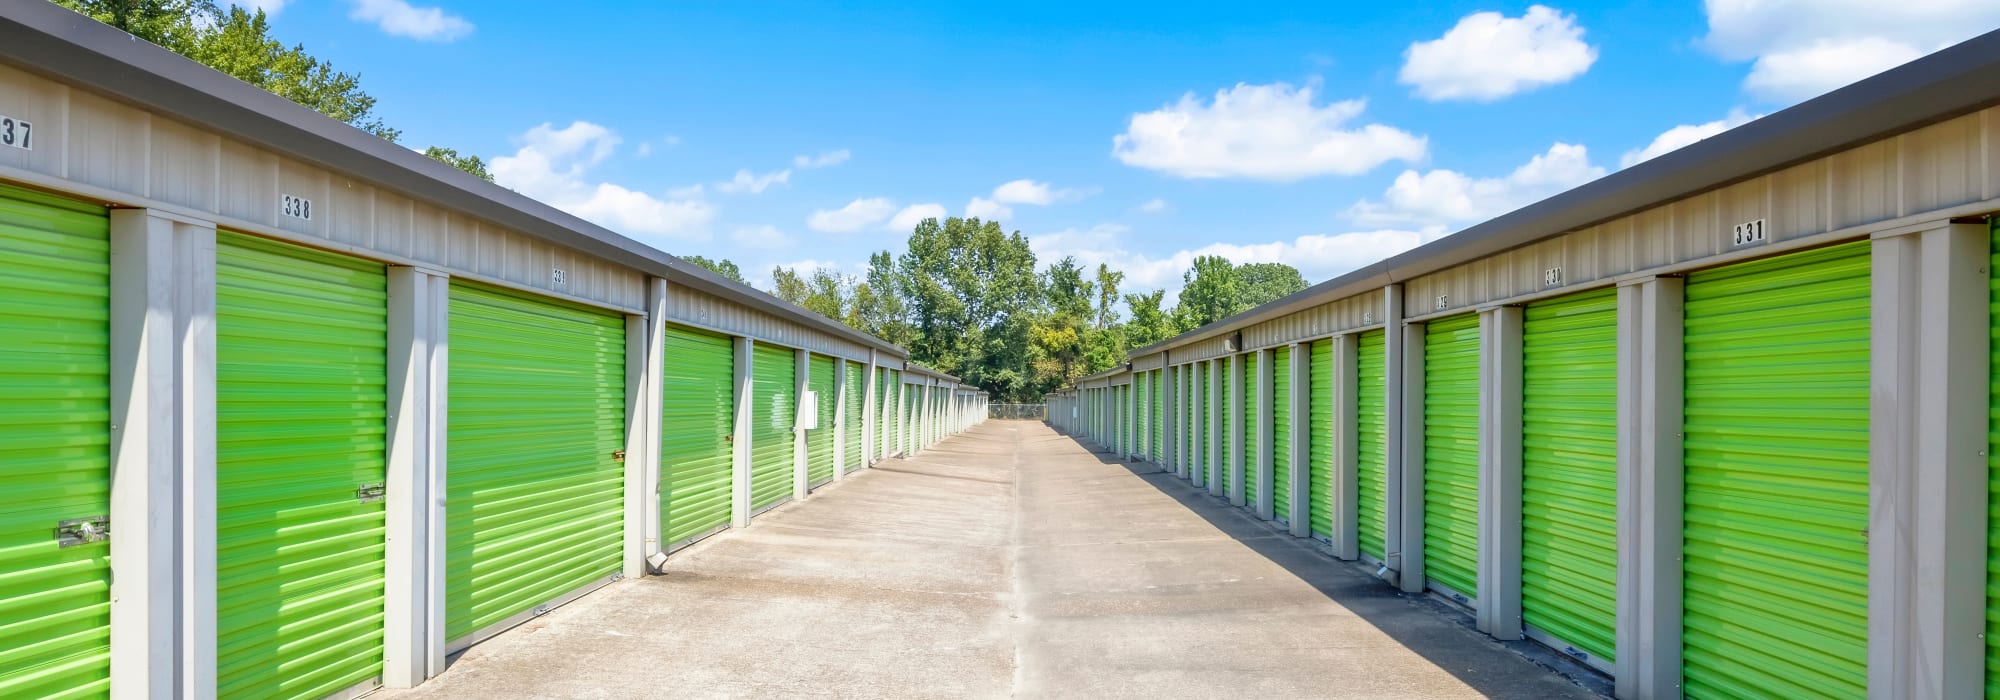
(1715, 425)
(292, 410)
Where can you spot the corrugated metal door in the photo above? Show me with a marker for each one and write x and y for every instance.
(697, 420)
(535, 494)
(301, 420)
(1250, 437)
(819, 441)
(1159, 415)
(1227, 437)
(1569, 470)
(1371, 442)
(774, 381)
(1320, 434)
(857, 400)
(1776, 530)
(1451, 453)
(55, 394)
(1993, 476)
(1281, 433)
(1204, 425)
(885, 400)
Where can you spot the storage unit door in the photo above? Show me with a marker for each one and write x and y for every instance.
(819, 441)
(1159, 415)
(1203, 403)
(1281, 433)
(775, 409)
(1775, 541)
(1319, 434)
(534, 492)
(1569, 470)
(1248, 409)
(884, 400)
(301, 396)
(1451, 453)
(1371, 442)
(697, 421)
(55, 427)
(1993, 476)
(1224, 432)
(851, 414)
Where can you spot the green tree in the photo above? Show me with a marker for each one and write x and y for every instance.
(1264, 283)
(1107, 296)
(1067, 292)
(970, 288)
(470, 164)
(173, 24)
(879, 304)
(1210, 291)
(1150, 323)
(727, 269)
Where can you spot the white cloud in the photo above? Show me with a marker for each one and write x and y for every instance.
(766, 237)
(987, 210)
(1266, 132)
(400, 18)
(823, 160)
(1439, 197)
(857, 215)
(553, 166)
(1156, 206)
(752, 183)
(1802, 48)
(1317, 256)
(906, 220)
(1682, 136)
(1488, 56)
(1028, 192)
(645, 149)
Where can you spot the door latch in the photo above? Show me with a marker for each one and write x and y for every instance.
(370, 493)
(76, 531)
(618, 455)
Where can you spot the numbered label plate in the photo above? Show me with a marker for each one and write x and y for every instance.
(296, 207)
(16, 133)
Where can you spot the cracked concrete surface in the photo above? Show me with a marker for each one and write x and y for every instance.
(1007, 561)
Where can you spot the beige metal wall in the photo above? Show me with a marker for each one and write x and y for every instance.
(1354, 312)
(703, 310)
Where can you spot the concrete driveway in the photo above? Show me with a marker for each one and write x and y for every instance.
(1008, 561)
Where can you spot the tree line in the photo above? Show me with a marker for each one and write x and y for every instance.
(970, 299)
(238, 43)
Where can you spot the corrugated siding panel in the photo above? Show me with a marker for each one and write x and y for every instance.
(1281, 433)
(1248, 409)
(819, 441)
(852, 413)
(1451, 452)
(536, 409)
(698, 407)
(55, 422)
(1776, 533)
(301, 376)
(774, 382)
(697, 308)
(1205, 376)
(1318, 432)
(1371, 487)
(1569, 469)
(1159, 415)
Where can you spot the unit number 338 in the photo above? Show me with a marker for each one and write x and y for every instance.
(16, 133)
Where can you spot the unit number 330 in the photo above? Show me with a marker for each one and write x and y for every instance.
(16, 133)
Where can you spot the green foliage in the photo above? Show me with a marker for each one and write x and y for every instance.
(1209, 292)
(1150, 323)
(721, 267)
(470, 164)
(1263, 283)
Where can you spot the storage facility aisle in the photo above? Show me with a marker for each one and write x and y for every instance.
(1005, 561)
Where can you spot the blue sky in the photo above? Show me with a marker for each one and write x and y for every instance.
(1140, 134)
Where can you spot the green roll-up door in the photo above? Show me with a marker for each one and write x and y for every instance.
(851, 414)
(301, 420)
(698, 407)
(1159, 415)
(1993, 476)
(55, 394)
(1775, 540)
(1569, 470)
(1227, 367)
(1371, 443)
(1281, 433)
(535, 494)
(1248, 409)
(1207, 427)
(819, 441)
(775, 384)
(1319, 435)
(884, 401)
(1451, 453)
